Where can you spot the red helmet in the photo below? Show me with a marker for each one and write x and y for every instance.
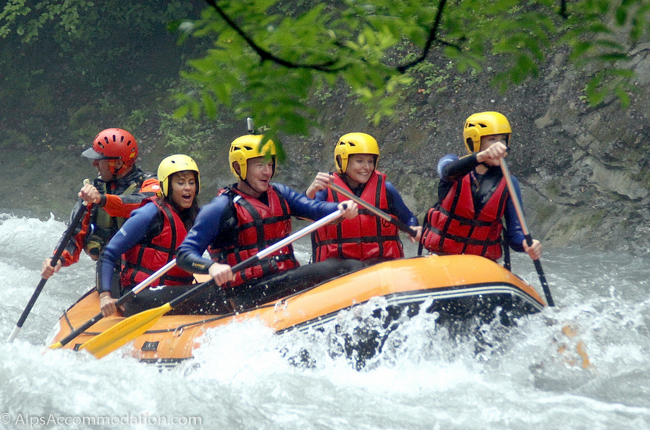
(113, 144)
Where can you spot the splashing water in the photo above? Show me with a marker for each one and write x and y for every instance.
(243, 376)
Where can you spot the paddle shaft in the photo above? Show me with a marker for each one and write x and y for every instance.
(381, 214)
(524, 227)
(125, 298)
(41, 284)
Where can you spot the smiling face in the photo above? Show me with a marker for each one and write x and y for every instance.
(360, 168)
(183, 189)
(259, 172)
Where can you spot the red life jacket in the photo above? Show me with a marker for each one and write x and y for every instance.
(258, 226)
(361, 238)
(455, 227)
(145, 258)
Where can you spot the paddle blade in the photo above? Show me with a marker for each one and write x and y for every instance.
(124, 332)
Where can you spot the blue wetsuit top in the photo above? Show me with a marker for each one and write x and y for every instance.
(217, 219)
(133, 231)
(396, 205)
(452, 168)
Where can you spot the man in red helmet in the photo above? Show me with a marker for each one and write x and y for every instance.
(119, 189)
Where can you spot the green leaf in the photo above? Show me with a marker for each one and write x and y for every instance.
(181, 111)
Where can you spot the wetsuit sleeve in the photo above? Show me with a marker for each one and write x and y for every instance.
(206, 230)
(321, 196)
(72, 250)
(121, 205)
(398, 208)
(133, 231)
(452, 168)
(515, 233)
(304, 207)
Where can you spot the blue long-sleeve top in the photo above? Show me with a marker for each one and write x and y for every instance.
(396, 205)
(140, 225)
(215, 222)
(451, 168)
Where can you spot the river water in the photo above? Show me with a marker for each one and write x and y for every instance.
(532, 378)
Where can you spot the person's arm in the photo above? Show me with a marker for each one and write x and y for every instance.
(72, 249)
(398, 208)
(121, 205)
(452, 168)
(132, 232)
(319, 185)
(304, 207)
(515, 233)
(320, 196)
(207, 228)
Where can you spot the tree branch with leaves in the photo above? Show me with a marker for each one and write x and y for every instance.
(268, 58)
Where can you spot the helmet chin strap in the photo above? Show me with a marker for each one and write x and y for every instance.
(114, 171)
(249, 185)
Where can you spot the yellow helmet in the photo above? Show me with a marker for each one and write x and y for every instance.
(246, 147)
(174, 164)
(484, 124)
(354, 143)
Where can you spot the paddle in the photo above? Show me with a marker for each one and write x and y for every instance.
(133, 326)
(55, 259)
(125, 298)
(524, 227)
(567, 330)
(381, 214)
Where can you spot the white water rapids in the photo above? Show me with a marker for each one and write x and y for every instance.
(241, 378)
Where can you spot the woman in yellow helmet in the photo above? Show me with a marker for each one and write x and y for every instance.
(366, 237)
(149, 238)
(473, 197)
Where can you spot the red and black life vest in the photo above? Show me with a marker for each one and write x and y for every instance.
(361, 238)
(457, 228)
(258, 226)
(145, 258)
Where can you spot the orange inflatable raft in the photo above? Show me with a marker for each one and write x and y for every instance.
(459, 288)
